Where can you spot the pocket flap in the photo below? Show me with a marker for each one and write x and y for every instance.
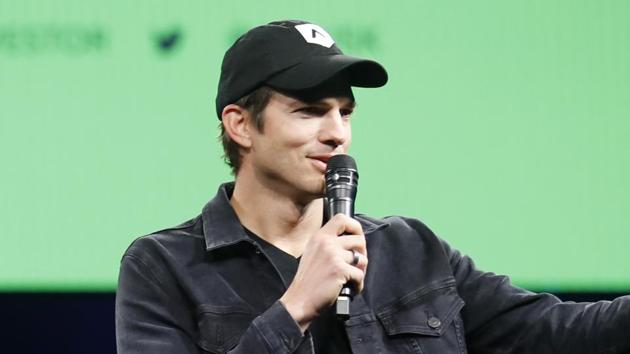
(221, 327)
(423, 311)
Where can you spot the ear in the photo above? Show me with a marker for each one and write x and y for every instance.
(236, 122)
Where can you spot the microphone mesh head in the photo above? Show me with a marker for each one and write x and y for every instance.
(341, 161)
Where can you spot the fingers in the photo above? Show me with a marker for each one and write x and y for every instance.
(353, 242)
(345, 235)
(354, 275)
(356, 256)
(356, 259)
(342, 224)
(327, 264)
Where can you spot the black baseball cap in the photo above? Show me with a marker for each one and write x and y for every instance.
(289, 55)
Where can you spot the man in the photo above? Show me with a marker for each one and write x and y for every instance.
(259, 270)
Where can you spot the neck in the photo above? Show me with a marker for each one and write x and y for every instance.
(276, 217)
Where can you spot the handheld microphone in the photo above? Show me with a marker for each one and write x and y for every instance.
(341, 190)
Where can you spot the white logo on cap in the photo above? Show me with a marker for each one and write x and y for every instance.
(315, 34)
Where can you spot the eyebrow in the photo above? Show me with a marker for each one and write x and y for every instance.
(351, 103)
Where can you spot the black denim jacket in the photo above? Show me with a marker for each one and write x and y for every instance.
(204, 286)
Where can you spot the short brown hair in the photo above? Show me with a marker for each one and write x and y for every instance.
(254, 103)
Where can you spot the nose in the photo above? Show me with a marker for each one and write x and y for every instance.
(335, 130)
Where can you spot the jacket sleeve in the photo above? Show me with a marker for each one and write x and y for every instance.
(154, 316)
(502, 318)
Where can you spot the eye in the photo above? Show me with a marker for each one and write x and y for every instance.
(312, 111)
(346, 112)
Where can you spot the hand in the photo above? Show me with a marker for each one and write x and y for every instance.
(326, 265)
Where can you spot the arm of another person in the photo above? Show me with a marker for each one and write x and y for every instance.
(502, 318)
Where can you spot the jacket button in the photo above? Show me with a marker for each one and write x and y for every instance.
(434, 322)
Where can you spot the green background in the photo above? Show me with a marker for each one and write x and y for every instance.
(505, 127)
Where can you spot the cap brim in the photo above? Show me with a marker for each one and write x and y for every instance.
(312, 72)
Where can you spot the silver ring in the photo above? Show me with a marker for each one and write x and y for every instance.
(355, 257)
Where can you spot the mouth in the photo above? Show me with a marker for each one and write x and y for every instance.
(320, 161)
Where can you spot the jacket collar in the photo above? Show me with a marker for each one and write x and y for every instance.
(369, 224)
(221, 226)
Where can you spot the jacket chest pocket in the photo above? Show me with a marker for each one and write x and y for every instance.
(424, 322)
(221, 327)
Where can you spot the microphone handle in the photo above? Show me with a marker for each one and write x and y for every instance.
(343, 205)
